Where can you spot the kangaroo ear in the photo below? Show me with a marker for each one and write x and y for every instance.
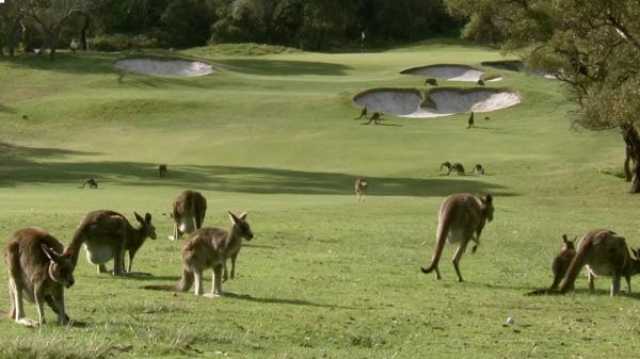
(147, 218)
(243, 216)
(488, 199)
(138, 217)
(50, 253)
(233, 218)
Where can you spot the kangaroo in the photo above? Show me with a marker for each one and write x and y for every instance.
(455, 167)
(163, 171)
(188, 214)
(210, 248)
(108, 235)
(363, 114)
(37, 272)
(91, 182)
(461, 219)
(478, 169)
(480, 82)
(376, 118)
(562, 261)
(360, 187)
(471, 121)
(559, 266)
(605, 253)
(431, 81)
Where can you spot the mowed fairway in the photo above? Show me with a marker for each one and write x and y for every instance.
(325, 276)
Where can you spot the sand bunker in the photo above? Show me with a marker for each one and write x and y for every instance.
(449, 72)
(155, 67)
(441, 102)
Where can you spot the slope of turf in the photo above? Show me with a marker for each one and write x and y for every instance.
(325, 276)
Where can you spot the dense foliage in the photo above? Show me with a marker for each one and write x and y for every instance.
(593, 46)
(309, 24)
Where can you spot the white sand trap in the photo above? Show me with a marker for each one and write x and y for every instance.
(442, 102)
(448, 72)
(154, 67)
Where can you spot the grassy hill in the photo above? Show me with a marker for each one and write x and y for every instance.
(325, 276)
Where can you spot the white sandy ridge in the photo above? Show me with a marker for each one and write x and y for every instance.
(155, 67)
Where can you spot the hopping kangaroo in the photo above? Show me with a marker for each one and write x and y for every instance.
(461, 219)
(360, 188)
(188, 214)
(605, 253)
(38, 272)
(108, 235)
(210, 248)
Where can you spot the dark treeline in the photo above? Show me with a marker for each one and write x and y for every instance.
(307, 24)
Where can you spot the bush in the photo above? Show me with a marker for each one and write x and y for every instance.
(119, 42)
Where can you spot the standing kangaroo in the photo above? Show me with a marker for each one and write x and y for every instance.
(562, 261)
(188, 214)
(360, 188)
(38, 272)
(108, 235)
(460, 220)
(210, 248)
(605, 253)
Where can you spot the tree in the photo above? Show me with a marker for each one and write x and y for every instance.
(11, 16)
(50, 16)
(593, 46)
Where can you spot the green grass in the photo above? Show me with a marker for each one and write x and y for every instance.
(325, 276)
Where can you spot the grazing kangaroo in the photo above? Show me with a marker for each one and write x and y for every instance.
(478, 169)
(37, 272)
(91, 182)
(162, 170)
(431, 81)
(210, 248)
(376, 118)
(471, 121)
(360, 187)
(108, 235)
(460, 220)
(363, 114)
(188, 214)
(456, 167)
(605, 253)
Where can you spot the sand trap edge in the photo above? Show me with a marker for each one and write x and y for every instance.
(156, 57)
(427, 102)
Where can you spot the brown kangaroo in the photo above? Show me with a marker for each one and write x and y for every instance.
(559, 266)
(456, 167)
(360, 188)
(108, 235)
(461, 219)
(562, 261)
(163, 170)
(210, 248)
(189, 210)
(37, 272)
(605, 253)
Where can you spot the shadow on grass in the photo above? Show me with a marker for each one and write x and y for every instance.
(22, 165)
(7, 109)
(80, 63)
(284, 68)
(250, 298)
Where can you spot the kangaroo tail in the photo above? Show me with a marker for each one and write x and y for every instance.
(442, 232)
(574, 268)
(186, 281)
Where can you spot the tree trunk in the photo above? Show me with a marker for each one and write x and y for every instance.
(632, 139)
(83, 33)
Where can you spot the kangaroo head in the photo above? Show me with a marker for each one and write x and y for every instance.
(241, 225)
(60, 267)
(567, 244)
(487, 202)
(147, 228)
